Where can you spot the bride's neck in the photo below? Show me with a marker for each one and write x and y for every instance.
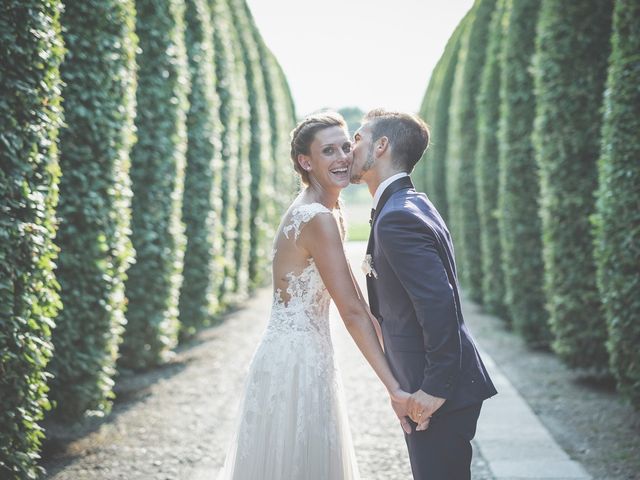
(328, 198)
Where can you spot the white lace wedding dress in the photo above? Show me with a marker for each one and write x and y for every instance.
(293, 422)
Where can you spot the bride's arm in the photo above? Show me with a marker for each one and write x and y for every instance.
(321, 238)
(374, 320)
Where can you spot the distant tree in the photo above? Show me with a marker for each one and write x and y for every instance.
(353, 117)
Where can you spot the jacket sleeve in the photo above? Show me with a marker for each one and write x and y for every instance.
(410, 248)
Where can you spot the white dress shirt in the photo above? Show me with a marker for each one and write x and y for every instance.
(383, 186)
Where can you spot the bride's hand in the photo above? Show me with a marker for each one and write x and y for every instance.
(399, 402)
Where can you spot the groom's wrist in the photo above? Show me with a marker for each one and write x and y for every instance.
(394, 390)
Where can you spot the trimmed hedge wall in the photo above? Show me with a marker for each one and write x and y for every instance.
(453, 146)
(421, 174)
(95, 198)
(261, 191)
(617, 228)
(290, 121)
(202, 206)
(572, 49)
(463, 197)
(519, 188)
(487, 166)
(284, 182)
(241, 252)
(157, 172)
(30, 115)
(438, 153)
(281, 170)
(226, 88)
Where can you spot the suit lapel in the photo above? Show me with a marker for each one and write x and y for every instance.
(402, 183)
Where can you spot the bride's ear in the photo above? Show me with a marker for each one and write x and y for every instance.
(305, 162)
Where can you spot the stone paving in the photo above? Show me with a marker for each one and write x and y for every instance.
(175, 423)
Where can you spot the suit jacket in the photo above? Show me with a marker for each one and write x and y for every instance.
(415, 297)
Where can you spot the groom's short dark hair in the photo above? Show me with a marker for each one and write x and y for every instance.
(408, 135)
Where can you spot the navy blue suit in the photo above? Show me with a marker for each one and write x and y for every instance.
(415, 298)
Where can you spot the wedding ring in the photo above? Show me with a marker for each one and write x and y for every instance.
(419, 414)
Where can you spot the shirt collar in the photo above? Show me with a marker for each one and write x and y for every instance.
(383, 186)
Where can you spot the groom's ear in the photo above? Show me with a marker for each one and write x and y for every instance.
(382, 145)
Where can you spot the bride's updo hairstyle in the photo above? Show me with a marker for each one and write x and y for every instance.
(302, 136)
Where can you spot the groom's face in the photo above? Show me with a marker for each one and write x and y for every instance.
(363, 158)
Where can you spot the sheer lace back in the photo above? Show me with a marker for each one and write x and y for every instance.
(304, 303)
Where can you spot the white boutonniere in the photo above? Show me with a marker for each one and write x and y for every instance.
(367, 266)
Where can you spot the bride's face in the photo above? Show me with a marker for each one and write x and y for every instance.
(329, 160)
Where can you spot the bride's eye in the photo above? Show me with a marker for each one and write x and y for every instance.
(328, 150)
(346, 148)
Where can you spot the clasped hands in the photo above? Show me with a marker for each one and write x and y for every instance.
(418, 406)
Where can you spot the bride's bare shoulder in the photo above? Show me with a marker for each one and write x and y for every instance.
(320, 230)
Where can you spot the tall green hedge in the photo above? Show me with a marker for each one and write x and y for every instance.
(519, 187)
(284, 179)
(202, 206)
(572, 51)
(95, 196)
(437, 154)
(230, 121)
(237, 171)
(157, 173)
(273, 109)
(453, 144)
(261, 191)
(291, 120)
(617, 231)
(487, 165)
(279, 123)
(464, 142)
(421, 173)
(30, 115)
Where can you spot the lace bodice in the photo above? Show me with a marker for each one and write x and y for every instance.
(307, 308)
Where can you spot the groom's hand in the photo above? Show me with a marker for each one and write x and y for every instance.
(421, 406)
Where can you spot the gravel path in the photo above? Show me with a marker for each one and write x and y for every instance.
(175, 422)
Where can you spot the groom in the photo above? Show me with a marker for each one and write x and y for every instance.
(413, 292)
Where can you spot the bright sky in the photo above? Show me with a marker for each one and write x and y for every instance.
(364, 53)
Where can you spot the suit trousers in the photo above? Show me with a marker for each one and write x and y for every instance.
(443, 451)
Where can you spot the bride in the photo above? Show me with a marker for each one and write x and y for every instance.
(293, 423)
